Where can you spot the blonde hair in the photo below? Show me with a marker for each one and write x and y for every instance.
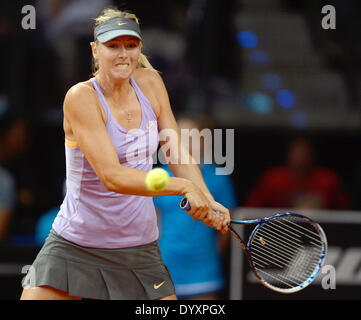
(111, 13)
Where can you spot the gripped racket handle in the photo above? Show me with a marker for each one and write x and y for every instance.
(185, 205)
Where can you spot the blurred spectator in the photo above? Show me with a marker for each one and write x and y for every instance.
(30, 192)
(169, 28)
(191, 250)
(9, 148)
(7, 201)
(300, 183)
(7, 33)
(66, 25)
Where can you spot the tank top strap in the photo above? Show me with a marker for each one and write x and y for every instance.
(145, 103)
(101, 97)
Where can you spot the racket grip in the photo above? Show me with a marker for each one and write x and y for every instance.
(185, 205)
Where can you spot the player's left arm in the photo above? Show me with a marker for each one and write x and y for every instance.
(181, 163)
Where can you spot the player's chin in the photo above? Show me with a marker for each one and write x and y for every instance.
(119, 74)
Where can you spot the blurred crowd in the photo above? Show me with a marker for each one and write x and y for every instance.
(190, 42)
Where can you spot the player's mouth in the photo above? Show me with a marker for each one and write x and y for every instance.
(122, 65)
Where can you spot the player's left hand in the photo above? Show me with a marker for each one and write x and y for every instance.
(221, 218)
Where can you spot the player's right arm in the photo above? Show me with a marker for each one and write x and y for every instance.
(84, 123)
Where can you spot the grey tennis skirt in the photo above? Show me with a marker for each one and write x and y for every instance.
(136, 273)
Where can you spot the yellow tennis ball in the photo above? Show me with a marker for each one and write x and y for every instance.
(157, 179)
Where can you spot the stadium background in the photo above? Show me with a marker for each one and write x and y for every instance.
(265, 68)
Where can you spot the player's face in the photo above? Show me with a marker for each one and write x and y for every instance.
(118, 57)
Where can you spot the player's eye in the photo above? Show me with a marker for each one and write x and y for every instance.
(131, 45)
(112, 45)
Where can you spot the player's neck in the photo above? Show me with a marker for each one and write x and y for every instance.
(111, 88)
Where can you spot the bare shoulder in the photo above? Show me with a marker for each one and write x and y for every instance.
(81, 100)
(81, 90)
(146, 76)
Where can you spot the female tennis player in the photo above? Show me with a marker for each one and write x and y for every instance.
(104, 240)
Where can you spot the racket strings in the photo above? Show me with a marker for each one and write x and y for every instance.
(301, 267)
(284, 241)
(310, 234)
(281, 264)
(299, 249)
(278, 248)
(286, 251)
(283, 272)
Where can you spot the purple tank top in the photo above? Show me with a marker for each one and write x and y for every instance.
(92, 216)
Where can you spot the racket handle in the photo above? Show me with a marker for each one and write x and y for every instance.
(185, 205)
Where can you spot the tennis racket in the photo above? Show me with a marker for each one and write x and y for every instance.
(285, 251)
